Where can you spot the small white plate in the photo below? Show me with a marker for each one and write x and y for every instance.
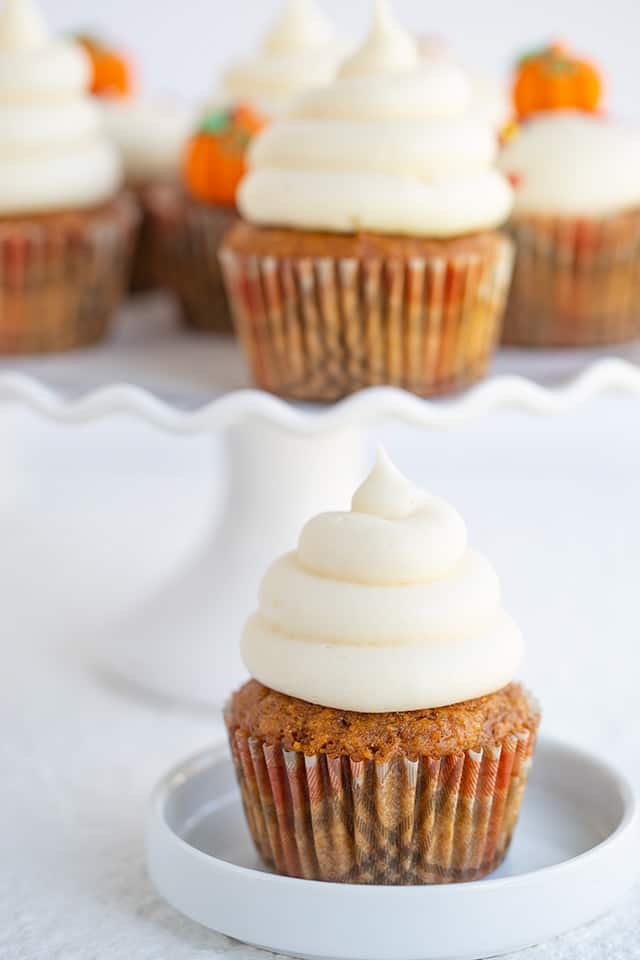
(571, 860)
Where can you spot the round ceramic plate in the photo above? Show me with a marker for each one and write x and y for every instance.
(570, 862)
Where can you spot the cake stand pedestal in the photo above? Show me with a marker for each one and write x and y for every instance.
(183, 643)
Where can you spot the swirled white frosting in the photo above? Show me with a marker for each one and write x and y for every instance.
(490, 99)
(150, 135)
(574, 164)
(390, 147)
(384, 608)
(300, 51)
(53, 154)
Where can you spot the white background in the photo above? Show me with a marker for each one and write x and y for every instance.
(94, 520)
(182, 46)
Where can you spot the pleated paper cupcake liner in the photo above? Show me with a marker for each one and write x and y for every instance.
(63, 276)
(576, 281)
(146, 270)
(401, 822)
(321, 328)
(187, 238)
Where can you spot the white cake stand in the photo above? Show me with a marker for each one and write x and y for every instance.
(286, 462)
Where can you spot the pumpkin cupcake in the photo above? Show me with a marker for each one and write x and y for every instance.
(576, 220)
(299, 52)
(66, 230)
(150, 135)
(382, 738)
(368, 253)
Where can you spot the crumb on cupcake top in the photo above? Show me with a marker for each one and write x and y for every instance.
(296, 725)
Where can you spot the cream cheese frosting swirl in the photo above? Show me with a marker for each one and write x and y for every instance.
(566, 163)
(300, 51)
(384, 608)
(53, 154)
(150, 135)
(392, 146)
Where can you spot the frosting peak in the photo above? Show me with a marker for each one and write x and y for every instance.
(22, 26)
(388, 48)
(301, 25)
(396, 533)
(383, 608)
(300, 52)
(387, 493)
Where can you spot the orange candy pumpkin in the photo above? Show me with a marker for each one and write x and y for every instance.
(555, 79)
(112, 75)
(215, 160)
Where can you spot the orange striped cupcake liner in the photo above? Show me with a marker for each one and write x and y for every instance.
(63, 276)
(576, 281)
(320, 328)
(147, 270)
(187, 236)
(401, 822)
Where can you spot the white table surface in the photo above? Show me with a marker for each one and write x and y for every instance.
(93, 518)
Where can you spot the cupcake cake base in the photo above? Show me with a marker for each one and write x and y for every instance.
(62, 276)
(324, 315)
(429, 796)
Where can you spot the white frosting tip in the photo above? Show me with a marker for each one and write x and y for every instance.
(382, 15)
(386, 492)
(301, 22)
(388, 48)
(383, 459)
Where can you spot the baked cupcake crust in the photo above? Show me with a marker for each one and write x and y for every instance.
(295, 725)
(245, 238)
(72, 218)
